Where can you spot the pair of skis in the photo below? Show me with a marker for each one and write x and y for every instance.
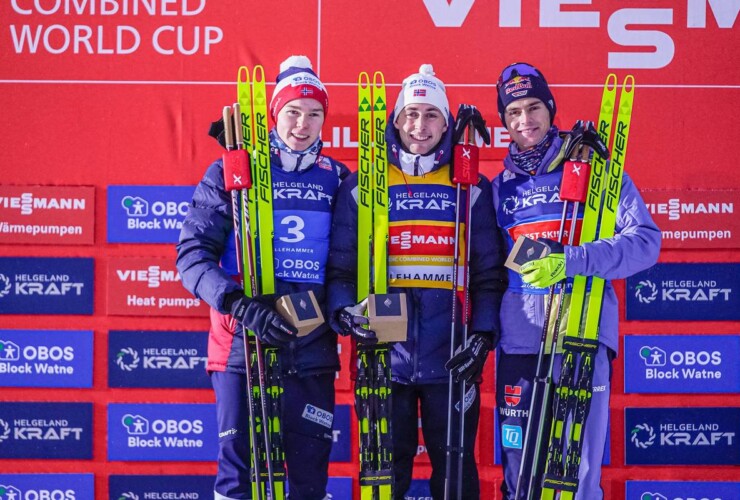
(373, 382)
(571, 398)
(246, 137)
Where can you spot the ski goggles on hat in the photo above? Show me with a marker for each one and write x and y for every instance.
(517, 69)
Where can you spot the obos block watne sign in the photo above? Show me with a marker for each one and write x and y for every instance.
(47, 486)
(35, 285)
(682, 363)
(157, 359)
(46, 358)
(162, 432)
(685, 292)
(46, 430)
(147, 214)
(684, 490)
(682, 436)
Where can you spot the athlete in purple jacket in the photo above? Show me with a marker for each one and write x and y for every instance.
(525, 197)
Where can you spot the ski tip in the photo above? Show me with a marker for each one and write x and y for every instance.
(611, 82)
(378, 79)
(628, 85)
(364, 79)
(242, 75)
(258, 74)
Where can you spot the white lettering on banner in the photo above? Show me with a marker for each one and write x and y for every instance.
(449, 15)
(552, 15)
(103, 39)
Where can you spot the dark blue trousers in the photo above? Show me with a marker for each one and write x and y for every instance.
(307, 439)
(430, 402)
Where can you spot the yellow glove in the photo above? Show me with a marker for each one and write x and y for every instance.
(544, 272)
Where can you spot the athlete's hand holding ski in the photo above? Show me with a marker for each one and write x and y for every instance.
(353, 322)
(258, 315)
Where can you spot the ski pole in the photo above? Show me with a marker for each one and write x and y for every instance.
(464, 173)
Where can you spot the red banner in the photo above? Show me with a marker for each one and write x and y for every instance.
(702, 218)
(149, 286)
(47, 215)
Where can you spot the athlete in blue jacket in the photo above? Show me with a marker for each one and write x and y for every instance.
(525, 197)
(304, 187)
(422, 214)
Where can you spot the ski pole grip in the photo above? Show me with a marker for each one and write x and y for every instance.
(235, 161)
(574, 185)
(465, 160)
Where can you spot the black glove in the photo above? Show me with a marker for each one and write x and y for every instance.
(585, 134)
(468, 363)
(554, 246)
(466, 114)
(216, 131)
(351, 320)
(258, 315)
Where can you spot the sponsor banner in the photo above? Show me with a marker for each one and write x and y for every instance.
(681, 363)
(697, 218)
(47, 215)
(46, 358)
(681, 490)
(339, 487)
(47, 486)
(149, 286)
(157, 359)
(695, 291)
(419, 490)
(46, 430)
(162, 432)
(682, 436)
(147, 214)
(133, 487)
(46, 285)
(342, 436)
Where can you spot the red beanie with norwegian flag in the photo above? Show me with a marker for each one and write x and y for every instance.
(296, 81)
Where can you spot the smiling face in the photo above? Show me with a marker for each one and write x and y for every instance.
(420, 127)
(299, 123)
(527, 121)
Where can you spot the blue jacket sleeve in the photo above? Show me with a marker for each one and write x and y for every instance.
(634, 247)
(203, 237)
(488, 278)
(341, 268)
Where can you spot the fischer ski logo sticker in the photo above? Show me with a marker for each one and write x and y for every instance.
(318, 416)
(646, 291)
(642, 436)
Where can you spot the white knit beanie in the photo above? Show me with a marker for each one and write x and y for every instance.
(423, 88)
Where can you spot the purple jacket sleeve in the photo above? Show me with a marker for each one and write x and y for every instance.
(634, 247)
(203, 237)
